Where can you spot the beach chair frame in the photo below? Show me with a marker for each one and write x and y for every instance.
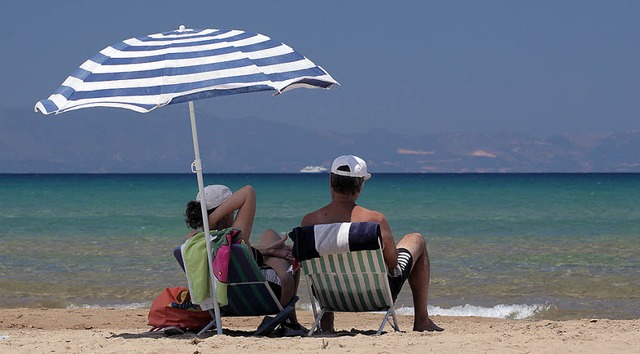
(248, 292)
(349, 282)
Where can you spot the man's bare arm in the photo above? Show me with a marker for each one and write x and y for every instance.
(388, 243)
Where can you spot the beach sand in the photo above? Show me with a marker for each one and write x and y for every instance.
(123, 331)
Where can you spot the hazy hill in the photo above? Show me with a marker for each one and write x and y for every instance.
(107, 140)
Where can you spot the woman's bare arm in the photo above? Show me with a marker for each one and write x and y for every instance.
(244, 201)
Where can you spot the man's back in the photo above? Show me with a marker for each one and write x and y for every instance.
(340, 212)
(343, 209)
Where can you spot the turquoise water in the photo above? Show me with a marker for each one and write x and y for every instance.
(501, 245)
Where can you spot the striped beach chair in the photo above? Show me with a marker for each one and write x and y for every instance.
(354, 281)
(249, 293)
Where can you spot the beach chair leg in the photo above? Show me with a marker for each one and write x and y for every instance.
(311, 296)
(384, 322)
(395, 321)
(206, 328)
(317, 322)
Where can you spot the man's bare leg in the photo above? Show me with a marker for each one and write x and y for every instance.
(326, 323)
(419, 281)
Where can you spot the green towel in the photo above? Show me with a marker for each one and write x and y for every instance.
(197, 266)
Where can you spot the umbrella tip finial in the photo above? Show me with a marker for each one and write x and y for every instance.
(181, 28)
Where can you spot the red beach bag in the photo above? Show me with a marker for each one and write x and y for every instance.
(173, 308)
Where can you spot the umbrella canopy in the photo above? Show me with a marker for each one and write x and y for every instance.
(148, 72)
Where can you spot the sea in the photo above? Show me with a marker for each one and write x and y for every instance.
(518, 246)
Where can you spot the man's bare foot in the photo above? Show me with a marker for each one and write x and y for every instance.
(430, 327)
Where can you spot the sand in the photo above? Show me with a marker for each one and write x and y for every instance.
(126, 331)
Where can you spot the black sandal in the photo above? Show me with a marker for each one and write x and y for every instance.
(288, 329)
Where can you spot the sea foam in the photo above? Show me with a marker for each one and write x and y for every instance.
(515, 312)
(130, 306)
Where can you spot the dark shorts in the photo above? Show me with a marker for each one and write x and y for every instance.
(405, 261)
(272, 279)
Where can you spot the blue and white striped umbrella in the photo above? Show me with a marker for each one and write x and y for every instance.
(148, 72)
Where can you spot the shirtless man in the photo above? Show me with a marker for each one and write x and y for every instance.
(406, 260)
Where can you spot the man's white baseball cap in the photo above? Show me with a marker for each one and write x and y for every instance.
(356, 166)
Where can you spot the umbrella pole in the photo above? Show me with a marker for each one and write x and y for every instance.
(197, 168)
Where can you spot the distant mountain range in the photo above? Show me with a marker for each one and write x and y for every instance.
(118, 141)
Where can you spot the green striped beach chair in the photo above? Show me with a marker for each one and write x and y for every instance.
(354, 281)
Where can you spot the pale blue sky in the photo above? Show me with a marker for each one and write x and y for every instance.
(541, 67)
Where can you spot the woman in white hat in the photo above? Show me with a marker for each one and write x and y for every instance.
(238, 209)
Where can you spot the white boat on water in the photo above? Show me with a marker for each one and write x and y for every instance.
(314, 169)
